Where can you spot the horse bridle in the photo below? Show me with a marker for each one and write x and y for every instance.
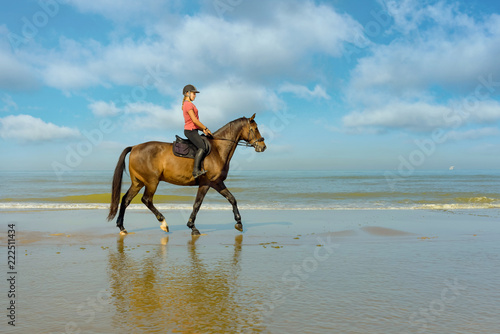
(255, 140)
(250, 143)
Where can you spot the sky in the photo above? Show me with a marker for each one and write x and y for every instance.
(336, 85)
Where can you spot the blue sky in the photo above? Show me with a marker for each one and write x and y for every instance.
(381, 84)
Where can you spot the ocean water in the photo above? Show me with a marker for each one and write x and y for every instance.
(267, 190)
(389, 270)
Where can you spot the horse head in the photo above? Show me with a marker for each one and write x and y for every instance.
(252, 135)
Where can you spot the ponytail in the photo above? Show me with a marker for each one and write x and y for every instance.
(184, 100)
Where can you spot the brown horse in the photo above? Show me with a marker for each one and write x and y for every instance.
(152, 162)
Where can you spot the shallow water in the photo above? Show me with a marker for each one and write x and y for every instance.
(257, 190)
(295, 272)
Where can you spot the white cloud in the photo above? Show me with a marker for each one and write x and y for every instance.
(235, 98)
(66, 76)
(410, 15)
(14, 74)
(295, 31)
(424, 116)
(199, 47)
(304, 92)
(29, 128)
(217, 103)
(402, 68)
(452, 50)
(145, 115)
(473, 134)
(483, 112)
(104, 109)
(418, 116)
(445, 54)
(151, 116)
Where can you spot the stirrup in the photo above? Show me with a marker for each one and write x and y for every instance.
(199, 173)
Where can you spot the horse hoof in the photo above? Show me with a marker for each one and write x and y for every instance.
(164, 226)
(195, 232)
(239, 227)
(123, 232)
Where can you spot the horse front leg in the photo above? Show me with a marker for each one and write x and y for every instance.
(202, 191)
(221, 188)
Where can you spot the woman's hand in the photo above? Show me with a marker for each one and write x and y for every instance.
(207, 132)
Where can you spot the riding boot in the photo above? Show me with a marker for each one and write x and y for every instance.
(197, 171)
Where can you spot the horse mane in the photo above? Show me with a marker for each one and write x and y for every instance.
(231, 126)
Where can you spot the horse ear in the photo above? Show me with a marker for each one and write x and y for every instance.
(252, 118)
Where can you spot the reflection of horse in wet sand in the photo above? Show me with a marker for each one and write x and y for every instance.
(172, 289)
(152, 162)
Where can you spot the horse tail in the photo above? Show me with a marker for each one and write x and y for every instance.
(116, 188)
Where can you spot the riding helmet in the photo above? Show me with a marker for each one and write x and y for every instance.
(189, 88)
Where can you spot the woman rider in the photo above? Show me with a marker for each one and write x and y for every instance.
(192, 124)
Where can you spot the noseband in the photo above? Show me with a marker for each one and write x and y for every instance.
(249, 143)
(252, 143)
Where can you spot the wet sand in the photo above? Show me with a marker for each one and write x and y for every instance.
(353, 271)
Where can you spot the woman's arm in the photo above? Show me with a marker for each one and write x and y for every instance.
(198, 123)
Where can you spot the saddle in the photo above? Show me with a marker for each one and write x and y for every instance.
(184, 148)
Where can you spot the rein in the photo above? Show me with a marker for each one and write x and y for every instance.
(245, 144)
(239, 143)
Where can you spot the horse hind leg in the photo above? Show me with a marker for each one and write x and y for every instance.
(126, 199)
(147, 199)
(202, 191)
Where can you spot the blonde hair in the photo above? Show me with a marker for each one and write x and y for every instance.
(186, 97)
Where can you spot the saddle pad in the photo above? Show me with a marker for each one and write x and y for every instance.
(185, 149)
(181, 149)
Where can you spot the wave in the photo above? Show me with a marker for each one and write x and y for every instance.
(479, 199)
(261, 207)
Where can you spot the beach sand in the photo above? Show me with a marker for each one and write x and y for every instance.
(299, 271)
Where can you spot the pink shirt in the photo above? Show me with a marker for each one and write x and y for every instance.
(188, 122)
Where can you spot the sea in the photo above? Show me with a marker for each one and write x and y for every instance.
(266, 190)
(309, 269)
